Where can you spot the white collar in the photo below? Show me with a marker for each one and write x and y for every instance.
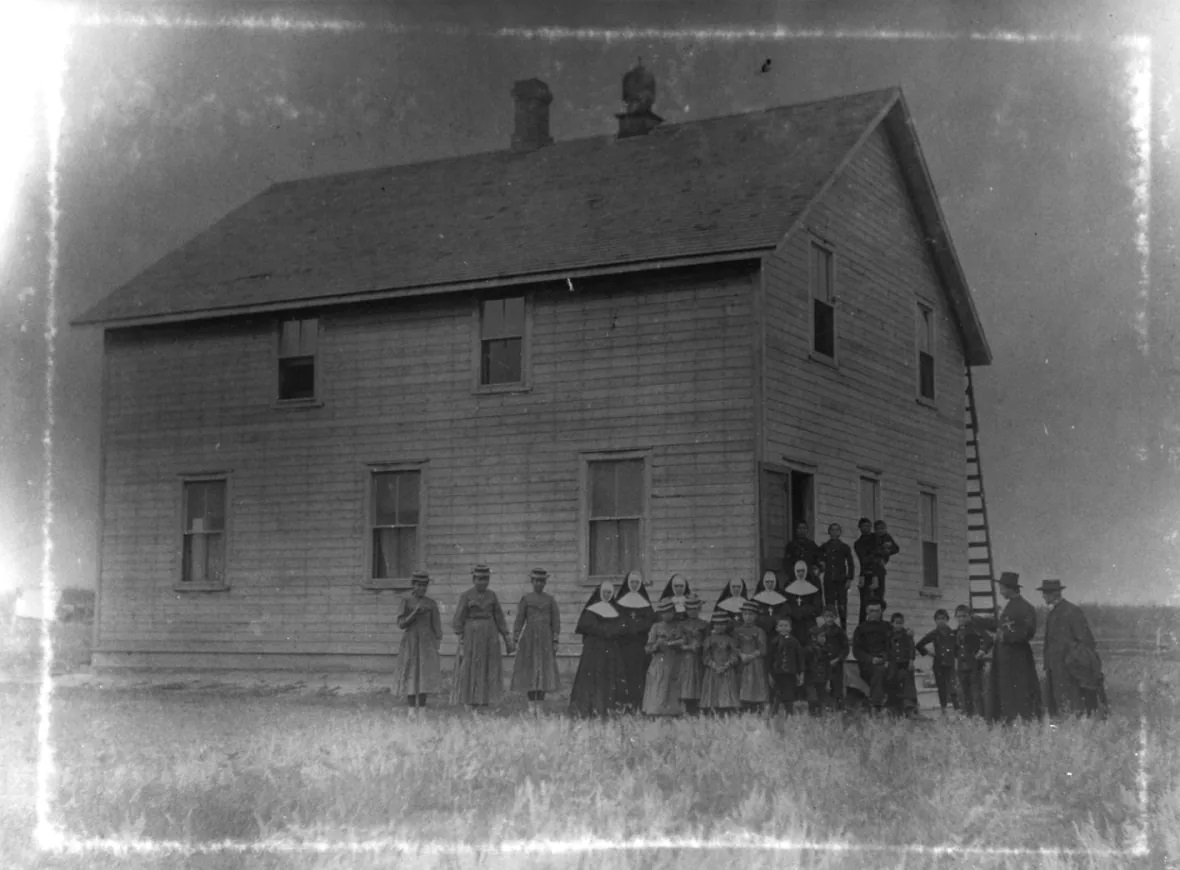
(604, 609)
(732, 604)
(770, 596)
(633, 601)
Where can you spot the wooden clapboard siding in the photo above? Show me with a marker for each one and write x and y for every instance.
(864, 411)
(660, 363)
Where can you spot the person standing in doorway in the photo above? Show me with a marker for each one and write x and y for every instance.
(802, 548)
(419, 671)
(1016, 692)
(536, 633)
(479, 622)
(1073, 670)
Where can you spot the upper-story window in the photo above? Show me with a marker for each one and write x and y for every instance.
(823, 302)
(502, 341)
(298, 339)
(925, 325)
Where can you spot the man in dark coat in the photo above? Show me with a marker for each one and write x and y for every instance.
(802, 549)
(1016, 691)
(870, 647)
(1073, 671)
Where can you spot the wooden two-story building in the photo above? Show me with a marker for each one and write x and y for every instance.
(654, 350)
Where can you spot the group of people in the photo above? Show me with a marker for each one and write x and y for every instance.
(759, 652)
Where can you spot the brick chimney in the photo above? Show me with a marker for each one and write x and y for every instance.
(532, 98)
(639, 92)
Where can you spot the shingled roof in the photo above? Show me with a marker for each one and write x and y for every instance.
(701, 190)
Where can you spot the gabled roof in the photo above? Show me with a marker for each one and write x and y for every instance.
(698, 191)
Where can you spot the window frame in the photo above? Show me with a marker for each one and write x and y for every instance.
(814, 353)
(927, 491)
(585, 460)
(370, 470)
(869, 474)
(525, 382)
(315, 400)
(179, 584)
(924, 327)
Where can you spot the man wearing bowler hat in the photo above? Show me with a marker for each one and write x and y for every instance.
(1016, 691)
(1073, 670)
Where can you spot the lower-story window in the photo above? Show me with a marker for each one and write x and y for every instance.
(203, 547)
(616, 516)
(395, 517)
(928, 531)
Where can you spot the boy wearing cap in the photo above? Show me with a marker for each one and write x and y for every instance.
(1073, 670)
(752, 648)
(971, 649)
(536, 632)
(943, 639)
(419, 670)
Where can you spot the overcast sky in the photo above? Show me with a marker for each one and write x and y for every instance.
(1030, 144)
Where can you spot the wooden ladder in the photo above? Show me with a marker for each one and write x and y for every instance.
(981, 570)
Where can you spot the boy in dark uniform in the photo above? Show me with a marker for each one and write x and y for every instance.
(836, 572)
(943, 639)
(870, 647)
(900, 667)
(788, 667)
(871, 568)
(885, 548)
(971, 648)
(835, 651)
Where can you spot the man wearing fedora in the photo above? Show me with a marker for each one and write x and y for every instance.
(1016, 691)
(1073, 670)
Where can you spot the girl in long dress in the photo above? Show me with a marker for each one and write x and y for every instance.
(719, 656)
(732, 597)
(752, 648)
(479, 622)
(694, 630)
(536, 633)
(419, 671)
(636, 618)
(661, 691)
(600, 669)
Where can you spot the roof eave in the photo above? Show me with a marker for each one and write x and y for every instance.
(335, 300)
(899, 126)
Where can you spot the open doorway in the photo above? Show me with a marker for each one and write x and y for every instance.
(785, 497)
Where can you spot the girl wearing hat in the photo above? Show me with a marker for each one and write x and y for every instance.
(536, 633)
(596, 684)
(636, 618)
(661, 691)
(719, 656)
(419, 672)
(732, 597)
(479, 622)
(750, 641)
(694, 630)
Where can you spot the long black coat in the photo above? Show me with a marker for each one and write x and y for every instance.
(1016, 691)
(1070, 654)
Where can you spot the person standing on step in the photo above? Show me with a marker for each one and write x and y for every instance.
(836, 572)
(479, 622)
(971, 648)
(943, 666)
(1073, 670)
(536, 632)
(418, 665)
(1016, 691)
(871, 567)
(802, 548)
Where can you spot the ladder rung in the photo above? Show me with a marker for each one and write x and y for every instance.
(982, 528)
(975, 477)
(979, 562)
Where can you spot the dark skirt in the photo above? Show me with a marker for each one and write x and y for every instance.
(599, 679)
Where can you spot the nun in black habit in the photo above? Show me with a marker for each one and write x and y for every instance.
(599, 679)
(636, 619)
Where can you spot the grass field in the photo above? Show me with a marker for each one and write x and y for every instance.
(203, 767)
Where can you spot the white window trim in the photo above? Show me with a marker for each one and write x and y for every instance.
(316, 399)
(526, 352)
(584, 461)
(368, 470)
(179, 584)
(814, 354)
